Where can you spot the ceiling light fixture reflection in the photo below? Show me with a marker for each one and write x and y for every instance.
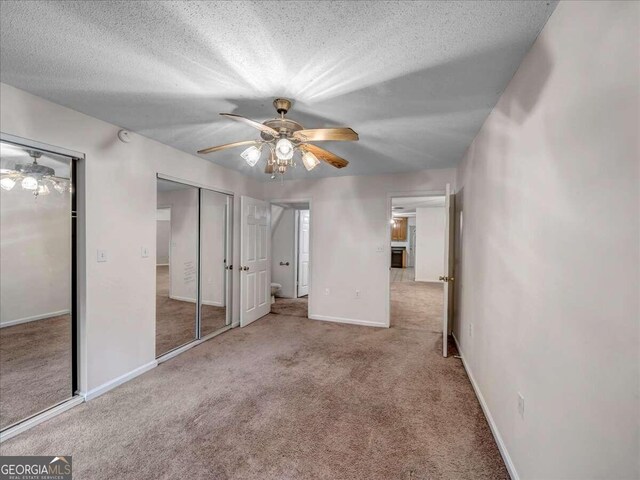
(32, 176)
(7, 183)
(29, 183)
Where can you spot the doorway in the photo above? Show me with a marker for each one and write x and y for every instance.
(418, 253)
(193, 243)
(38, 285)
(291, 258)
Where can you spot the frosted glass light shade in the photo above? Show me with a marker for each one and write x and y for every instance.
(7, 183)
(29, 183)
(284, 149)
(251, 155)
(60, 187)
(310, 161)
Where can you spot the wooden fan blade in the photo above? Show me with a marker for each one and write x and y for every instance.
(252, 123)
(226, 145)
(325, 134)
(325, 155)
(269, 168)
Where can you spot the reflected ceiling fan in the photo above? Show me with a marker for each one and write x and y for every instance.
(284, 138)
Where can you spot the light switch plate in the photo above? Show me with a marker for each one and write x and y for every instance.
(144, 252)
(102, 256)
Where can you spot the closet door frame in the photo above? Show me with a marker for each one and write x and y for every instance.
(229, 273)
(78, 278)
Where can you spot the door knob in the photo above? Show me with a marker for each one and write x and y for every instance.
(245, 269)
(443, 279)
(284, 264)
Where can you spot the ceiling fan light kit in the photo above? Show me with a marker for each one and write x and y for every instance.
(286, 138)
(33, 176)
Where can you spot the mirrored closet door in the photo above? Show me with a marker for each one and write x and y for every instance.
(214, 268)
(176, 265)
(192, 274)
(37, 335)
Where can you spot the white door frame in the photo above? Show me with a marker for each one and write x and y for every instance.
(296, 241)
(390, 197)
(308, 201)
(297, 251)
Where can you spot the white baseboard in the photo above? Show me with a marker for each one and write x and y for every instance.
(33, 318)
(174, 353)
(105, 387)
(192, 300)
(39, 418)
(213, 304)
(182, 299)
(511, 468)
(351, 321)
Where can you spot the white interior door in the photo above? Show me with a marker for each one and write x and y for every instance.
(448, 278)
(255, 260)
(303, 254)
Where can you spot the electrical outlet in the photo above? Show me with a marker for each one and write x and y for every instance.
(521, 405)
(358, 293)
(380, 248)
(326, 291)
(102, 256)
(144, 252)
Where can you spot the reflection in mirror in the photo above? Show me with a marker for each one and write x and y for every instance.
(176, 265)
(35, 282)
(213, 251)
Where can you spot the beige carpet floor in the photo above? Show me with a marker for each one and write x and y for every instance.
(294, 307)
(176, 320)
(35, 367)
(285, 398)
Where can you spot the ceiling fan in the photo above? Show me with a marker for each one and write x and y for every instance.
(285, 137)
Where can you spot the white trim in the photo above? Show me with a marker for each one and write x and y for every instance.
(511, 468)
(162, 264)
(182, 299)
(193, 300)
(212, 304)
(105, 387)
(162, 176)
(39, 418)
(43, 316)
(351, 321)
(45, 147)
(174, 353)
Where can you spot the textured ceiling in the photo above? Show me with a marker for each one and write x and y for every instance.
(416, 80)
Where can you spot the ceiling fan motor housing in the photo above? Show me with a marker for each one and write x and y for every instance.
(285, 126)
